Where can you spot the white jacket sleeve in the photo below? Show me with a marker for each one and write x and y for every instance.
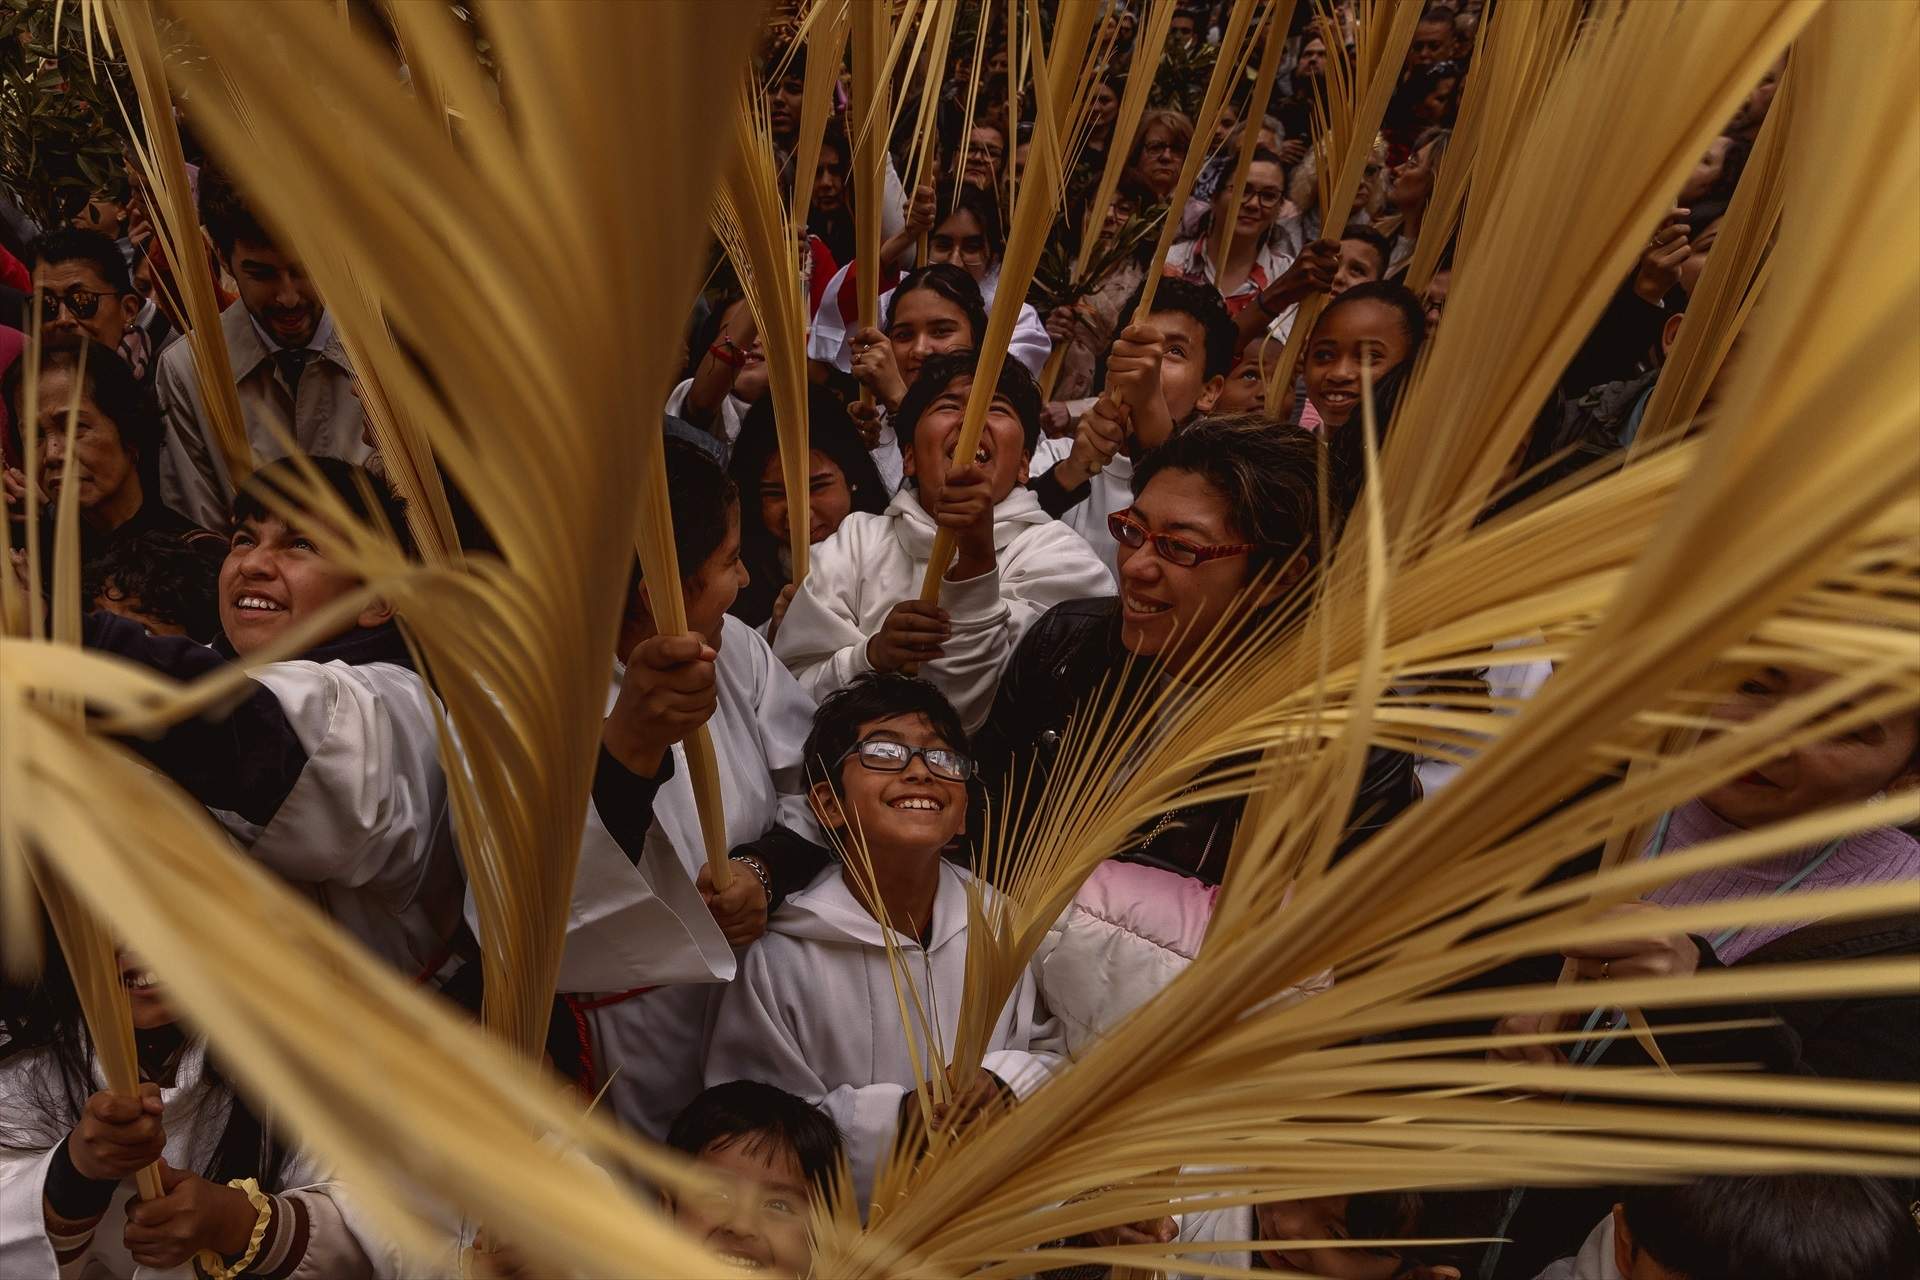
(1033, 1045)
(1043, 567)
(25, 1249)
(1030, 344)
(821, 641)
(364, 809)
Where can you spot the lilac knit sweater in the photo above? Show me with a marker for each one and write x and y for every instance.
(1886, 855)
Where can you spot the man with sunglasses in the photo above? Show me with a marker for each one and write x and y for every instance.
(84, 287)
(814, 1010)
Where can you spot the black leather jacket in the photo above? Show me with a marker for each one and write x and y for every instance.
(1063, 660)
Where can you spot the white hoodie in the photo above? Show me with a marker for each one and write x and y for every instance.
(872, 563)
(815, 1012)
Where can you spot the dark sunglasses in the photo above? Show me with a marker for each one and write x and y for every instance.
(1129, 532)
(883, 755)
(80, 303)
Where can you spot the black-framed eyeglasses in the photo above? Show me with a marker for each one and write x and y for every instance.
(885, 755)
(80, 303)
(1130, 533)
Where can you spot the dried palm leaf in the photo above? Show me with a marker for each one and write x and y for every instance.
(91, 956)
(1231, 44)
(1279, 20)
(426, 1117)
(1514, 321)
(1347, 116)
(1525, 48)
(176, 224)
(1609, 725)
(1056, 70)
(1729, 285)
(1148, 42)
(1526, 36)
(762, 241)
(870, 34)
(537, 202)
(923, 153)
(828, 50)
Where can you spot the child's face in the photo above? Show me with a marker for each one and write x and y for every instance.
(913, 810)
(1184, 383)
(1369, 332)
(1002, 451)
(1325, 1218)
(758, 1219)
(273, 577)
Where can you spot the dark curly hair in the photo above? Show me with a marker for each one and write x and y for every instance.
(174, 579)
(875, 696)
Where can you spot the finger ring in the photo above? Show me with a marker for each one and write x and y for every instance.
(1605, 965)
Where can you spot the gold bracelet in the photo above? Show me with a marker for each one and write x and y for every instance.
(263, 1208)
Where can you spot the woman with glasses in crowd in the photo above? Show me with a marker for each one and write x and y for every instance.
(1222, 529)
(1254, 257)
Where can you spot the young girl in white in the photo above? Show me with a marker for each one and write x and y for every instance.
(859, 610)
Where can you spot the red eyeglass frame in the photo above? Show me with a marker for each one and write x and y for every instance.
(1163, 543)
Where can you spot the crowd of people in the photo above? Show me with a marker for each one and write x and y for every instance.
(1107, 527)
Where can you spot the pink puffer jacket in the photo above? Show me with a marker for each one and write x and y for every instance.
(1125, 935)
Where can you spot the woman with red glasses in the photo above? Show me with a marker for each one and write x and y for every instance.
(1222, 528)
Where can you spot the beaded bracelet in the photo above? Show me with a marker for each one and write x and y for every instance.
(263, 1207)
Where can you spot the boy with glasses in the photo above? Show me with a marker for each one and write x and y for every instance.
(815, 1009)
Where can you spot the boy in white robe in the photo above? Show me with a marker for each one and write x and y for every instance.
(328, 772)
(859, 610)
(814, 1010)
(648, 937)
(1157, 377)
